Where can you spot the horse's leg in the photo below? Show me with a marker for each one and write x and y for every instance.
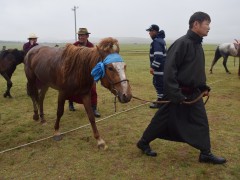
(213, 63)
(225, 64)
(32, 91)
(41, 99)
(9, 85)
(87, 105)
(217, 56)
(60, 110)
(239, 67)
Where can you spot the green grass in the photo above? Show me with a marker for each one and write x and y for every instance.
(77, 156)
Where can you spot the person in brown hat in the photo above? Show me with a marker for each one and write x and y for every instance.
(32, 41)
(83, 36)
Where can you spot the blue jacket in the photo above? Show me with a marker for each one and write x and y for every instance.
(158, 52)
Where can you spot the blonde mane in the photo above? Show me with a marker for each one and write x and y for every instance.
(79, 61)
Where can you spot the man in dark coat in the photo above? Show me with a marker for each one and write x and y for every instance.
(184, 80)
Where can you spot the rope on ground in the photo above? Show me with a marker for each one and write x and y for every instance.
(115, 114)
(34, 142)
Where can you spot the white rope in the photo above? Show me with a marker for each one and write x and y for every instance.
(115, 114)
(33, 142)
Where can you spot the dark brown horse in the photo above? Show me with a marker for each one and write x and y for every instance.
(68, 70)
(9, 59)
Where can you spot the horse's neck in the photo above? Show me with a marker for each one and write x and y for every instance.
(237, 48)
(236, 45)
(94, 61)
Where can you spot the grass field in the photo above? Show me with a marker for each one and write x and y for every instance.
(77, 156)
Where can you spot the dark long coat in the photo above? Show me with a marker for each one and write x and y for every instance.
(184, 77)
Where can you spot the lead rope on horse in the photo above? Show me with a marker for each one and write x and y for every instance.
(165, 102)
(184, 102)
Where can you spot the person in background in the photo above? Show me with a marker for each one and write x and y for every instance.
(32, 41)
(184, 80)
(157, 57)
(83, 36)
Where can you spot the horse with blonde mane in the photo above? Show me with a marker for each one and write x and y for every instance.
(72, 71)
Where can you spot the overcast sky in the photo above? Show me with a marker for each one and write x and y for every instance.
(54, 19)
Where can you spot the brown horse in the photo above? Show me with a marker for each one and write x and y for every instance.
(9, 59)
(68, 70)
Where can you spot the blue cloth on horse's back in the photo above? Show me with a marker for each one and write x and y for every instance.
(98, 71)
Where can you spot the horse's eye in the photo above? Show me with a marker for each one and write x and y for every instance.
(110, 68)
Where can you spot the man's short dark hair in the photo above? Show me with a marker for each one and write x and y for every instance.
(199, 17)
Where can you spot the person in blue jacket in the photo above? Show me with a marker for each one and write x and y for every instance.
(157, 57)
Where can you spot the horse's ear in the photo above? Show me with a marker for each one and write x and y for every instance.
(116, 47)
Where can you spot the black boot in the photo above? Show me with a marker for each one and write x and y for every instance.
(210, 158)
(95, 111)
(71, 107)
(146, 149)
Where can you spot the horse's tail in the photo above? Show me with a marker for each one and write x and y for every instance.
(216, 57)
(217, 54)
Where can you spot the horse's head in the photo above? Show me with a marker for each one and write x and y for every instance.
(115, 80)
(111, 70)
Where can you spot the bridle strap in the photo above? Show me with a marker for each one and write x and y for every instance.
(114, 89)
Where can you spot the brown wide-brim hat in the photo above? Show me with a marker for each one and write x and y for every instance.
(32, 36)
(83, 31)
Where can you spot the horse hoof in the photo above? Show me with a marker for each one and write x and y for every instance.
(57, 137)
(36, 117)
(102, 146)
(229, 72)
(43, 122)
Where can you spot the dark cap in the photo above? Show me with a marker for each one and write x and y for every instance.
(153, 27)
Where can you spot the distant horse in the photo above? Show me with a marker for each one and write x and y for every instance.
(68, 70)
(9, 59)
(224, 50)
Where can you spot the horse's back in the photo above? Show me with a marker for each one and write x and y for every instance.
(44, 62)
(9, 59)
(224, 47)
(228, 49)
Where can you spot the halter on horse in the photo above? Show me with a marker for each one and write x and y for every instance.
(224, 50)
(9, 59)
(68, 70)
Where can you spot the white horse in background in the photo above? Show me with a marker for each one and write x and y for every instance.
(224, 50)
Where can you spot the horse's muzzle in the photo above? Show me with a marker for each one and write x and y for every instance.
(124, 98)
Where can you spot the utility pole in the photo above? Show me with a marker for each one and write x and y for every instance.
(74, 9)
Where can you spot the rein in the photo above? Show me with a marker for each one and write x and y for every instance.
(184, 102)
